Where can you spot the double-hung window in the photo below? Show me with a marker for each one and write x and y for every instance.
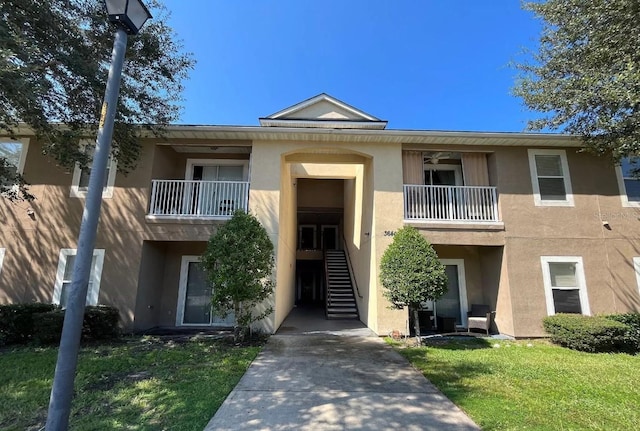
(629, 181)
(550, 178)
(564, 285)
(80, 180)
(65, 272)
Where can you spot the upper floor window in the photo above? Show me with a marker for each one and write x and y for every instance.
(629, 181)
(2, 250)
(65, 272)
(80, 180)
(550, 178)
(15, 153)
(564, 285)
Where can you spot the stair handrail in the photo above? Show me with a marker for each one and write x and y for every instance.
(353, 277)
(326, 285)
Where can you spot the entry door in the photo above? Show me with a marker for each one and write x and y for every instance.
(454, 302)
(329, 237)
(194, 298)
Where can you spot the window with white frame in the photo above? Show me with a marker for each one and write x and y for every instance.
(564, 285)
(636, 267)
(65, 271)
(550, 178)
(15, 154)
(629, 181)
(80, 180)
(2, 250)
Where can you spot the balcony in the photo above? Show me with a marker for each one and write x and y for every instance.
(453, 204)
(195, 199)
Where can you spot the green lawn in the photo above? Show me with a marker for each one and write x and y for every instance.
(524, 385)
(136, 384)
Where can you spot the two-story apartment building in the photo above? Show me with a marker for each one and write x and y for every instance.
(525, 223)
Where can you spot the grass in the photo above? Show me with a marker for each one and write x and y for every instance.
(525, 385)
(136, 384)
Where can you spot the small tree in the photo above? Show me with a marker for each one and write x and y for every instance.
(411, 273)
(238, 263)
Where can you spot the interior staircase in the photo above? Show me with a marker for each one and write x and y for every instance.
(341, 302)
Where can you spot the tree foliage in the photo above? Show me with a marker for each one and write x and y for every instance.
(238, 262)
(54, 61)
(585, 76)
(411, 272)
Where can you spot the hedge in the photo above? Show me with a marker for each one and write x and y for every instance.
(42, 323)
(16, 321)
(632, 337)
(586, 333)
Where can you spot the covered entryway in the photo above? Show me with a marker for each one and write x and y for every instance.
(323, 210)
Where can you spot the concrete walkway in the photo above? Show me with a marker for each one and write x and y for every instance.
(334, 380)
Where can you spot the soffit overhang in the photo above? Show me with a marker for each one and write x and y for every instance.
(405, 137)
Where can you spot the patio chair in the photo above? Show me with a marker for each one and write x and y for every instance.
(479, 318)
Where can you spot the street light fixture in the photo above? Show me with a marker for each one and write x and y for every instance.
(129, 16)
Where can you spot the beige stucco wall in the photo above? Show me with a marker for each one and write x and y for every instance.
(368, 185)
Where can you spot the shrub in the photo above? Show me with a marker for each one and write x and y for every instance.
(22, 323)
(48, 327)
(632, 337)
(100, 323)
(16, 321)
(586, 333)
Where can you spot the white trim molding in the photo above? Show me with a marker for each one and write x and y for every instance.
(580, 280)
(96, 274)
(537, 198)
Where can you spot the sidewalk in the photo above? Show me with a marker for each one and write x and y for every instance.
(334, 382)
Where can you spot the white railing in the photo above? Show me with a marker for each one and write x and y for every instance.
(451, 203)
(191, 198)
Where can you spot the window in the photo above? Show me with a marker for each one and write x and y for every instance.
(80, 181)
(564, 285)
(65, 271)
(15, 153)
(307, 239)
(628, 182)
(550, 178)
(2, 250)
(636, 267)
(442, 175)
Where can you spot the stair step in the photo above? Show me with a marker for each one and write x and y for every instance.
(342, 310)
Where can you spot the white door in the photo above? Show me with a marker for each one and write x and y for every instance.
(194, 298)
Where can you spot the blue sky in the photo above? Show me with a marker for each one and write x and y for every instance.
(429, 64)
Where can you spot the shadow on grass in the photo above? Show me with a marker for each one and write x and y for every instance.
(126, 385)
(457, 342)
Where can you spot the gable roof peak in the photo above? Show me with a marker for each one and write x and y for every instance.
(323, 111)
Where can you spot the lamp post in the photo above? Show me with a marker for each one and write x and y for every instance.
(129, 16)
